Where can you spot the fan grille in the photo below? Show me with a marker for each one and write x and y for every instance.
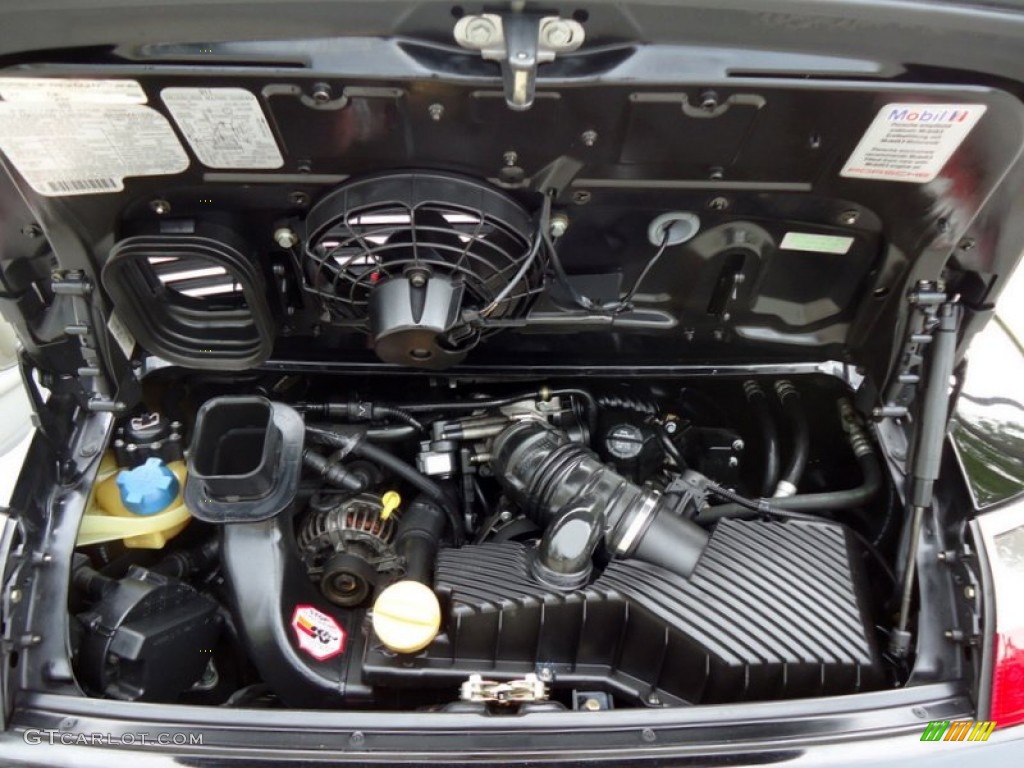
(369, 231)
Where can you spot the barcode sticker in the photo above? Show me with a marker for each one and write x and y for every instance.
(70, 186)
(86, 139)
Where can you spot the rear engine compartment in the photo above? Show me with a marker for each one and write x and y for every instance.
(472, 545)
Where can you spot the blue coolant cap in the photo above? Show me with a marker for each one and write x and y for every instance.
(148, 489)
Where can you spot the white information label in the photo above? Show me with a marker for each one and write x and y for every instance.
(51, 89)
(121, 334)
(66, 147)
(911, 142)
(225, 127)
(812, 243)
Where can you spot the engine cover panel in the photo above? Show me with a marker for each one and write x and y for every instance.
(771, 612)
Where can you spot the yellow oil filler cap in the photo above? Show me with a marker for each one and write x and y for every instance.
(407, 616)
(389, 503)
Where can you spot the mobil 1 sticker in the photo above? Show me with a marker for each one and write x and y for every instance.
(317, 633)
(911, 142)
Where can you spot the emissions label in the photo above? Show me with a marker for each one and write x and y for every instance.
(225, 127)
(911, 142)
(80, 137)
(317, 633)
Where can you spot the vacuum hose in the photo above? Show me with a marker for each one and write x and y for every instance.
(564, 487)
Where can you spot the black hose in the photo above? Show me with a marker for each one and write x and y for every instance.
(355, 442)
(830, 500)
(801, 437)
(359, 411)
(332, 472)
(769, 435)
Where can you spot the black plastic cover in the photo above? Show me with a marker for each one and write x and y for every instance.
(770, 612)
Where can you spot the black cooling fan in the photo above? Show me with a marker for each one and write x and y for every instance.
(404, 255)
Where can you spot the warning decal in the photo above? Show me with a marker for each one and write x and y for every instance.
(911, 142)
(79, 137)
(225, 127)
(317, 633)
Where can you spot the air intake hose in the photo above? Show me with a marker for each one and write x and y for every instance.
(564, 487)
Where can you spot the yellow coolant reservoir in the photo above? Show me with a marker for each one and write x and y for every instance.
(142, 506)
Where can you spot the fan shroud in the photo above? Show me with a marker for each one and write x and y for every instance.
(402, 255)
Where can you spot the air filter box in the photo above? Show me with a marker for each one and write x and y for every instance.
(771, 612)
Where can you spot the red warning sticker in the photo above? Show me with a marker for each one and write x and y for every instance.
(317, 633)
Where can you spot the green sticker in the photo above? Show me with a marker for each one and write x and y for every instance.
(805, 241)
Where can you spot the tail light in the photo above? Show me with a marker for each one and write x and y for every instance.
(1002, 532)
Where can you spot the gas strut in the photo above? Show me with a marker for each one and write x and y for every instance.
(930, 438)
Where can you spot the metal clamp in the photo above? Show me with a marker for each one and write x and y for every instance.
(519, 43)
(530, 688)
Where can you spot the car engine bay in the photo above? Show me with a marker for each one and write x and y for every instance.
(500, 547)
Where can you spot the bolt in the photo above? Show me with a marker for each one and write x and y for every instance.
(417, 279)
(546, 674)
(159, 207)
(716, 173)
(480, 31)
(592, 705)
(581, 197)
(956, 635)
(969, 592)
(556, 34)
(67, 724)
(849, 218)
(285, 237)
(522, 55)
(654, 700)
(436, 112)
(967, 244)
(90, 450)
(814, 141)
(648, 735)
(510, 158)
(738, 445)
(300, 199)
(16, 596)
(718, 204)
(589, 138)
(671, 427)
(709, 101)
(733, 462)
(32, 230)
(505, 516)
(321, 93)
(357, 739)
(559, 225)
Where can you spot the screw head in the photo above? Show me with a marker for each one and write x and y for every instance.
(592, 705)
(285, 237)
(417, 279)
(321, 93)
(480, 31)
(522, 56)
(300, 199)
(589, 138)
(718, 203)
(733, 462)
(738, 445)
(510, 158)
(160, 206)
(849, 218)
(16, 596)
(546, 674)
(969, 592)
(709, 101)
(716, 173)
(436, 112)
(671, 426)
(556, 33)
(559, 225)
(654, 700)
(581, 197)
